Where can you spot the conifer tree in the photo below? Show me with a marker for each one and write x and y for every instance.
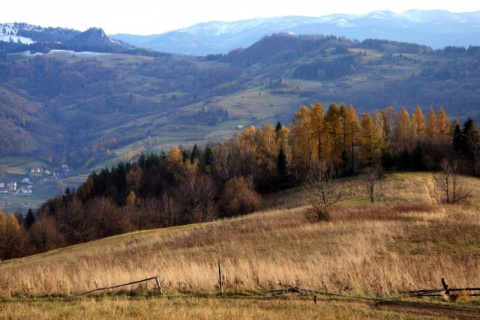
(431, 123)
(175, 158)
(282, 164)
(333, 128)
(317, 115)
(471, 144)
(195, 155)
(29, 219)
(442, 123)
(278, 127)
(371, 141)
(418, 157)
(419, 121)
(301, 137)
(403, 131)
(352, 136)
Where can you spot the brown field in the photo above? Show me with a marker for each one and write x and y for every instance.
(405, 242)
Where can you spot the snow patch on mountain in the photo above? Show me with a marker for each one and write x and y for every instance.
(344, 23)
(9, 33)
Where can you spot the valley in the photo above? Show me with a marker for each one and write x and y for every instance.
(269, 168)
(92, 111)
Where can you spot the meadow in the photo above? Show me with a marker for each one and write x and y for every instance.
(406, 241)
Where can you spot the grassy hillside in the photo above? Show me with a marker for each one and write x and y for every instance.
(405, 242)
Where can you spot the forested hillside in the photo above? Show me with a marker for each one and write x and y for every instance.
(228, 178)
(106, 108)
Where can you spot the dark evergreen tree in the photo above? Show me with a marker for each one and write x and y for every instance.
(278, 127)
(457, 136)
(185, 156)
(282, 164)
(208, 156)
(387, 159)
(418, 157)
(471, 145)
(195, 154)
(405, 159)
(29, 219)
(469, 137)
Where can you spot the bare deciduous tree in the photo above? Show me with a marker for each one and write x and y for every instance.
(44, 235)
(207, 192)
(170, 209)
(324, 190)
(197, 192)
(451, 183)
(370, 177)
(225, 157)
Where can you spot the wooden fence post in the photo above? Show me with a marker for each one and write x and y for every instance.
(159, 287)
(445, 286)
(220, 280)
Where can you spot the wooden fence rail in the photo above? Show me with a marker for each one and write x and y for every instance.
(451, 294)
(157, 281)
(446, 291)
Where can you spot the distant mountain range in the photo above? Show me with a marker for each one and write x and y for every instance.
(18, 37)
(436, 29)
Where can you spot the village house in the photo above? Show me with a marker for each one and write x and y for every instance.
(26, 191)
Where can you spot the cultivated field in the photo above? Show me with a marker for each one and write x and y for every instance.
(407, 241)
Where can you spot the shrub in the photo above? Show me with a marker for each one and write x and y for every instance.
(239, 197)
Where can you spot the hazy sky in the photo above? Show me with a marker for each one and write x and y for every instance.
(152, 17)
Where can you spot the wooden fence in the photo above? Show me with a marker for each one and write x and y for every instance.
(157, 281)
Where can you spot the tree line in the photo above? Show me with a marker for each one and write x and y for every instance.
(203, 183)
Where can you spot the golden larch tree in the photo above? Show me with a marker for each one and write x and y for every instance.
(301, 140)
(431, 123)
(442, 123)
(352, 136)
(404, 131)
(419, 120)
(175, 158)
(372, 139)
(334, 134)
(317, 128)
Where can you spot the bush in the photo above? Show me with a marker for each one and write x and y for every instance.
(239, 197)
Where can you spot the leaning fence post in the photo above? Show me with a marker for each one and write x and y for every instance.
(445, 286)
(159, 287)
(220, 281)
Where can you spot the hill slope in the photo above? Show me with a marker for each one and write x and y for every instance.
(405, 243)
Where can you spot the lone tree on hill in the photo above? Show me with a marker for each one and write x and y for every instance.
(324, 190)
(371, 176)
(450, 182)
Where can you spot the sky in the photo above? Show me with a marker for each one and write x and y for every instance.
(143, 17)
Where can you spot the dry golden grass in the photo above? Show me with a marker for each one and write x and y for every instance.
(186, 308)
(371, 250)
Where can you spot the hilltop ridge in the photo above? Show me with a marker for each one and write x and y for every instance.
(436, 28)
